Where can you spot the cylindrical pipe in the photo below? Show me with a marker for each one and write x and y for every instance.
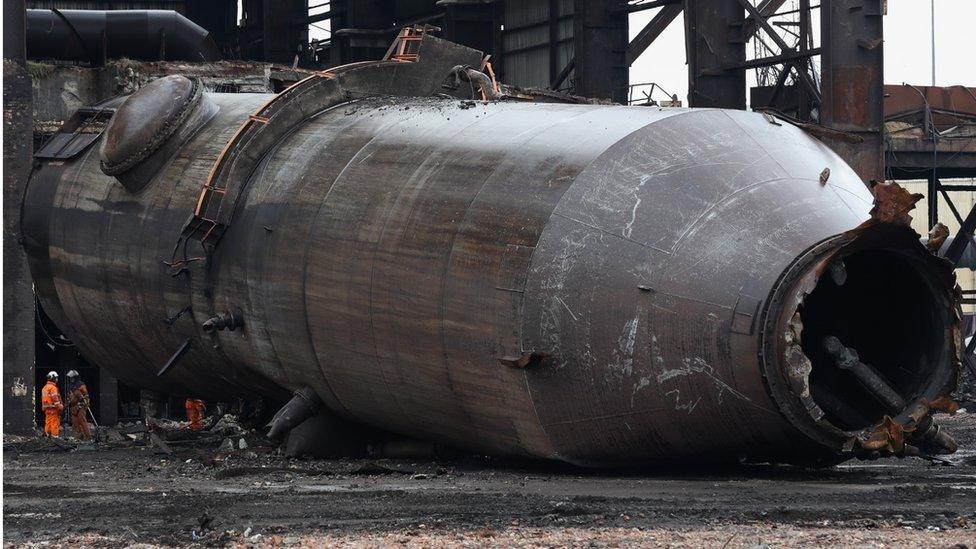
(847, 359)
(93, 36)
(302, 406)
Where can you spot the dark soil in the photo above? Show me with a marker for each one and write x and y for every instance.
(128, 495)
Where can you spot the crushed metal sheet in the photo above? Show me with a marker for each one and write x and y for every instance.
(892, 204)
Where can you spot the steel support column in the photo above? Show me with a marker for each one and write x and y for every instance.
(713, 41)
(853, 81)
(600, 49)
(18, 295)
(284, 31)
(804, 103)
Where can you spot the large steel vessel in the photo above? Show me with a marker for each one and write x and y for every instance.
(599, 284)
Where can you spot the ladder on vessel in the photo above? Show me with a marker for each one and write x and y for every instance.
(406, 47)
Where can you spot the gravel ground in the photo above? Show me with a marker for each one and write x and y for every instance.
(199, 497)
(730, 537)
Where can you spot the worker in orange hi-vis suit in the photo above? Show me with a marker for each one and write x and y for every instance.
(194, 412)
(78, 403)
(52, 406)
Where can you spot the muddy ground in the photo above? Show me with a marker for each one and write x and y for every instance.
(133, 495)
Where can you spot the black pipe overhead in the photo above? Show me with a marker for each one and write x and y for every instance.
(93, 36)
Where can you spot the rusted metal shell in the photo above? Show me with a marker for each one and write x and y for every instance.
(401, 257)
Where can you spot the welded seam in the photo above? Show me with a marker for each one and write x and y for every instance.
(103, 244)
(591, 419)
(304, 285)
(531, 134)
(556, 453)
(609, 233)
(211, 277)
(460, 402)
(756, 142)
(266, 158)
(696, 225)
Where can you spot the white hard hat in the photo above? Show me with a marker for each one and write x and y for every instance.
(72, 373)
(52, 375)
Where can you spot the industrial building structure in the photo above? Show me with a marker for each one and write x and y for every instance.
(548, 49)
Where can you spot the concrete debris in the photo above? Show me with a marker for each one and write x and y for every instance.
(130, 428)
(226, 446)
(228, 426)
(113, 436)
(15, 439)
(159, 445)
(168, 424)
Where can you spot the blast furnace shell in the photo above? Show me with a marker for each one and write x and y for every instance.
(603, 285)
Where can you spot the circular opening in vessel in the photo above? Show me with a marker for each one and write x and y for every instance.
(885, 298)
(880, 304)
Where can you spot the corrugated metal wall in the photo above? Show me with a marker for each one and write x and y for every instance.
(528, 62)
(527, 40)
(964, 201)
